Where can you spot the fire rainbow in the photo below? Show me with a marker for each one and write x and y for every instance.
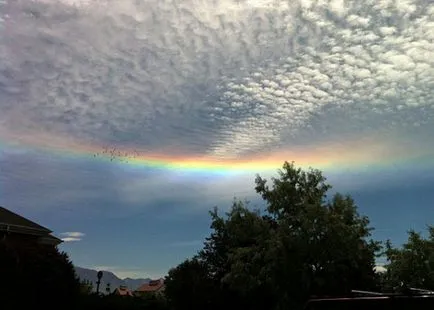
(363, 153)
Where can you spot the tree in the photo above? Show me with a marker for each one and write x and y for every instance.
(301, 244)
(189, 286)
(237, 255)
(41, 274)
(86, 287)
(413, 264)
(316, 239)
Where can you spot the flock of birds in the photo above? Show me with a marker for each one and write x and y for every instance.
(116, 154)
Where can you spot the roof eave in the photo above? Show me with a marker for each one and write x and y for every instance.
(23, 229)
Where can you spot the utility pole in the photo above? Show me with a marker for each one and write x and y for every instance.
(98, 282)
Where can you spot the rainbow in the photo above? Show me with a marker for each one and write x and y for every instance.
(355, 154)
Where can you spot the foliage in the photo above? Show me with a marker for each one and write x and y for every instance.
(189, 286)
(113, 302)
(86, 287)
(301, 244)
(236, 254)
(413, 264)
(40, 272)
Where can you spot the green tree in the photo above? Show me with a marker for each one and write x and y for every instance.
(301, 244)
(323, 245)
(189, 286)
(237, 254)
(413, 263)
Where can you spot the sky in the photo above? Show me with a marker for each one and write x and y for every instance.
(122, 123)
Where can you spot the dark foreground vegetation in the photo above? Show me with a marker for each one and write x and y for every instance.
(302, 244)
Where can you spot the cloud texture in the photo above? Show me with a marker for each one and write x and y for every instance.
(222, 78)
(216, 78)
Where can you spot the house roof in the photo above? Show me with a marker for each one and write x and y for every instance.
(10, 221)
(123, 291)
(14, 223)
(151, 286)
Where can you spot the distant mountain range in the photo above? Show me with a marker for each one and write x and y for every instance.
(108, 277)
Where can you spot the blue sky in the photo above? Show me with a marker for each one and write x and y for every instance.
(343, 86)
(143, 239)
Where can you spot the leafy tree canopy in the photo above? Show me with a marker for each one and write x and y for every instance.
(301, 244)
(42, 273)
(413, 264)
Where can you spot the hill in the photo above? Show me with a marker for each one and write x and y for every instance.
(108, 277)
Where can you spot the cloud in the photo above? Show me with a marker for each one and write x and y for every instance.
(75, 234)
(85, 189)
(70, 239)
(185, 188)
(225, 79)
(72, 236)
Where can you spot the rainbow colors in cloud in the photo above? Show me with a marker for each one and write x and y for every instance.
(227, 86)
(355, 154)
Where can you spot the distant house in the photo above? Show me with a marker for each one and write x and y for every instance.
(152, 287)
(19, 230)
(123, 291)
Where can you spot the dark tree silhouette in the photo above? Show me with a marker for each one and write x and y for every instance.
(413, 263)
(302, 244)
(36, 275)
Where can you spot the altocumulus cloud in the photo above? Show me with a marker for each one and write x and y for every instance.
(222, 78)
(72, 236)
